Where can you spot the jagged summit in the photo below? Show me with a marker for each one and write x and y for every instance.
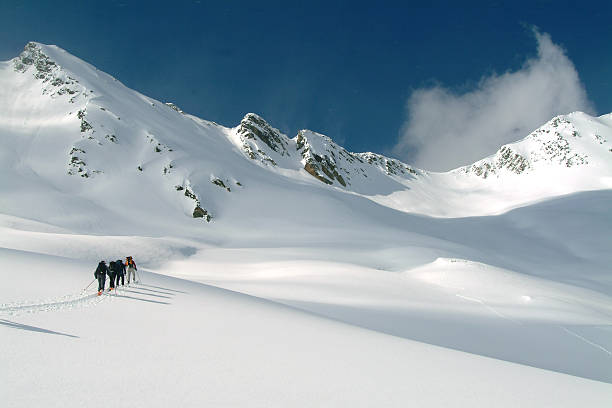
(254, 129)
(32, 55)
(319, 156)
(331, 163)
(43, 59)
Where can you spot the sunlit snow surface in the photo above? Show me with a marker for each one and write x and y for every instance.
(368, 294)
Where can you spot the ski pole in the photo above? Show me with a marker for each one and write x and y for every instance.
(89, 284)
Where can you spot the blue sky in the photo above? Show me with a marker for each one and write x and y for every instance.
(363, 73)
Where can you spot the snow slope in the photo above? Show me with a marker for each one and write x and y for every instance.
(397, 272)
(172, 342)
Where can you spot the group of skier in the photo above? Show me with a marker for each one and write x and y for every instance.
(116, 271)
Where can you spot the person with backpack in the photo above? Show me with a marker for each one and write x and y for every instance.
(100, 275)
(120, 271)
(131, 268)
(112, 273)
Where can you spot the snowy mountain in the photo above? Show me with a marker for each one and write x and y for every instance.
(498, 267)
(80, 122)
(101, 131)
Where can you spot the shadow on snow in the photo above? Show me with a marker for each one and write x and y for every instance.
(19, 326)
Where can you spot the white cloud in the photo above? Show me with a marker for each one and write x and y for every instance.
(445, 130)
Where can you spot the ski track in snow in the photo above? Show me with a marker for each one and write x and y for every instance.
(484, 304)
(598, 346)
(565, 329)
(66, 302)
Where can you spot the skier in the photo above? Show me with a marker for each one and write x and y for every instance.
(131, 268)
(120, 271)
(100, 275)
(111, 274)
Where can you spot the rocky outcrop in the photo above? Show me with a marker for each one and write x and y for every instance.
(257, 136)
(32, 56)
(57, 83)
(332, 164)
(549, 143)
(174, 107)
(199, 212)
(254, 127)
(391, 167)
(506, 159)
(322, 158)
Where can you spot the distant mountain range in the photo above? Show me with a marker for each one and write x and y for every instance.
(71, 133)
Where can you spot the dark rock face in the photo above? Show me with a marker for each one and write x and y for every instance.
(199, 212)
(255, 127)
(220, 183)
(313, 172)
(331, 163)
(324, 166)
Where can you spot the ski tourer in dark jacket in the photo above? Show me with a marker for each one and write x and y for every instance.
(112, 272)
(120, 271)
(100, 275)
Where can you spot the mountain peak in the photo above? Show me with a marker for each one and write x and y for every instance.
(253, 127)
(33, 56)
(572, 140)
(253, 117)
(40, 61)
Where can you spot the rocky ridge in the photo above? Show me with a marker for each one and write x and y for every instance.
(556, 142)
(254, 129)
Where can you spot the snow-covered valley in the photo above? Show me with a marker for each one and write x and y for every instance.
(283, 271)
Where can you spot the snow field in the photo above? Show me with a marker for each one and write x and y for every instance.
(173, 342)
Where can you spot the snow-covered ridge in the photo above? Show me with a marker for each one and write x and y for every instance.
(566, 141)
(332, 164)
(317, 154)
(77, 122)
